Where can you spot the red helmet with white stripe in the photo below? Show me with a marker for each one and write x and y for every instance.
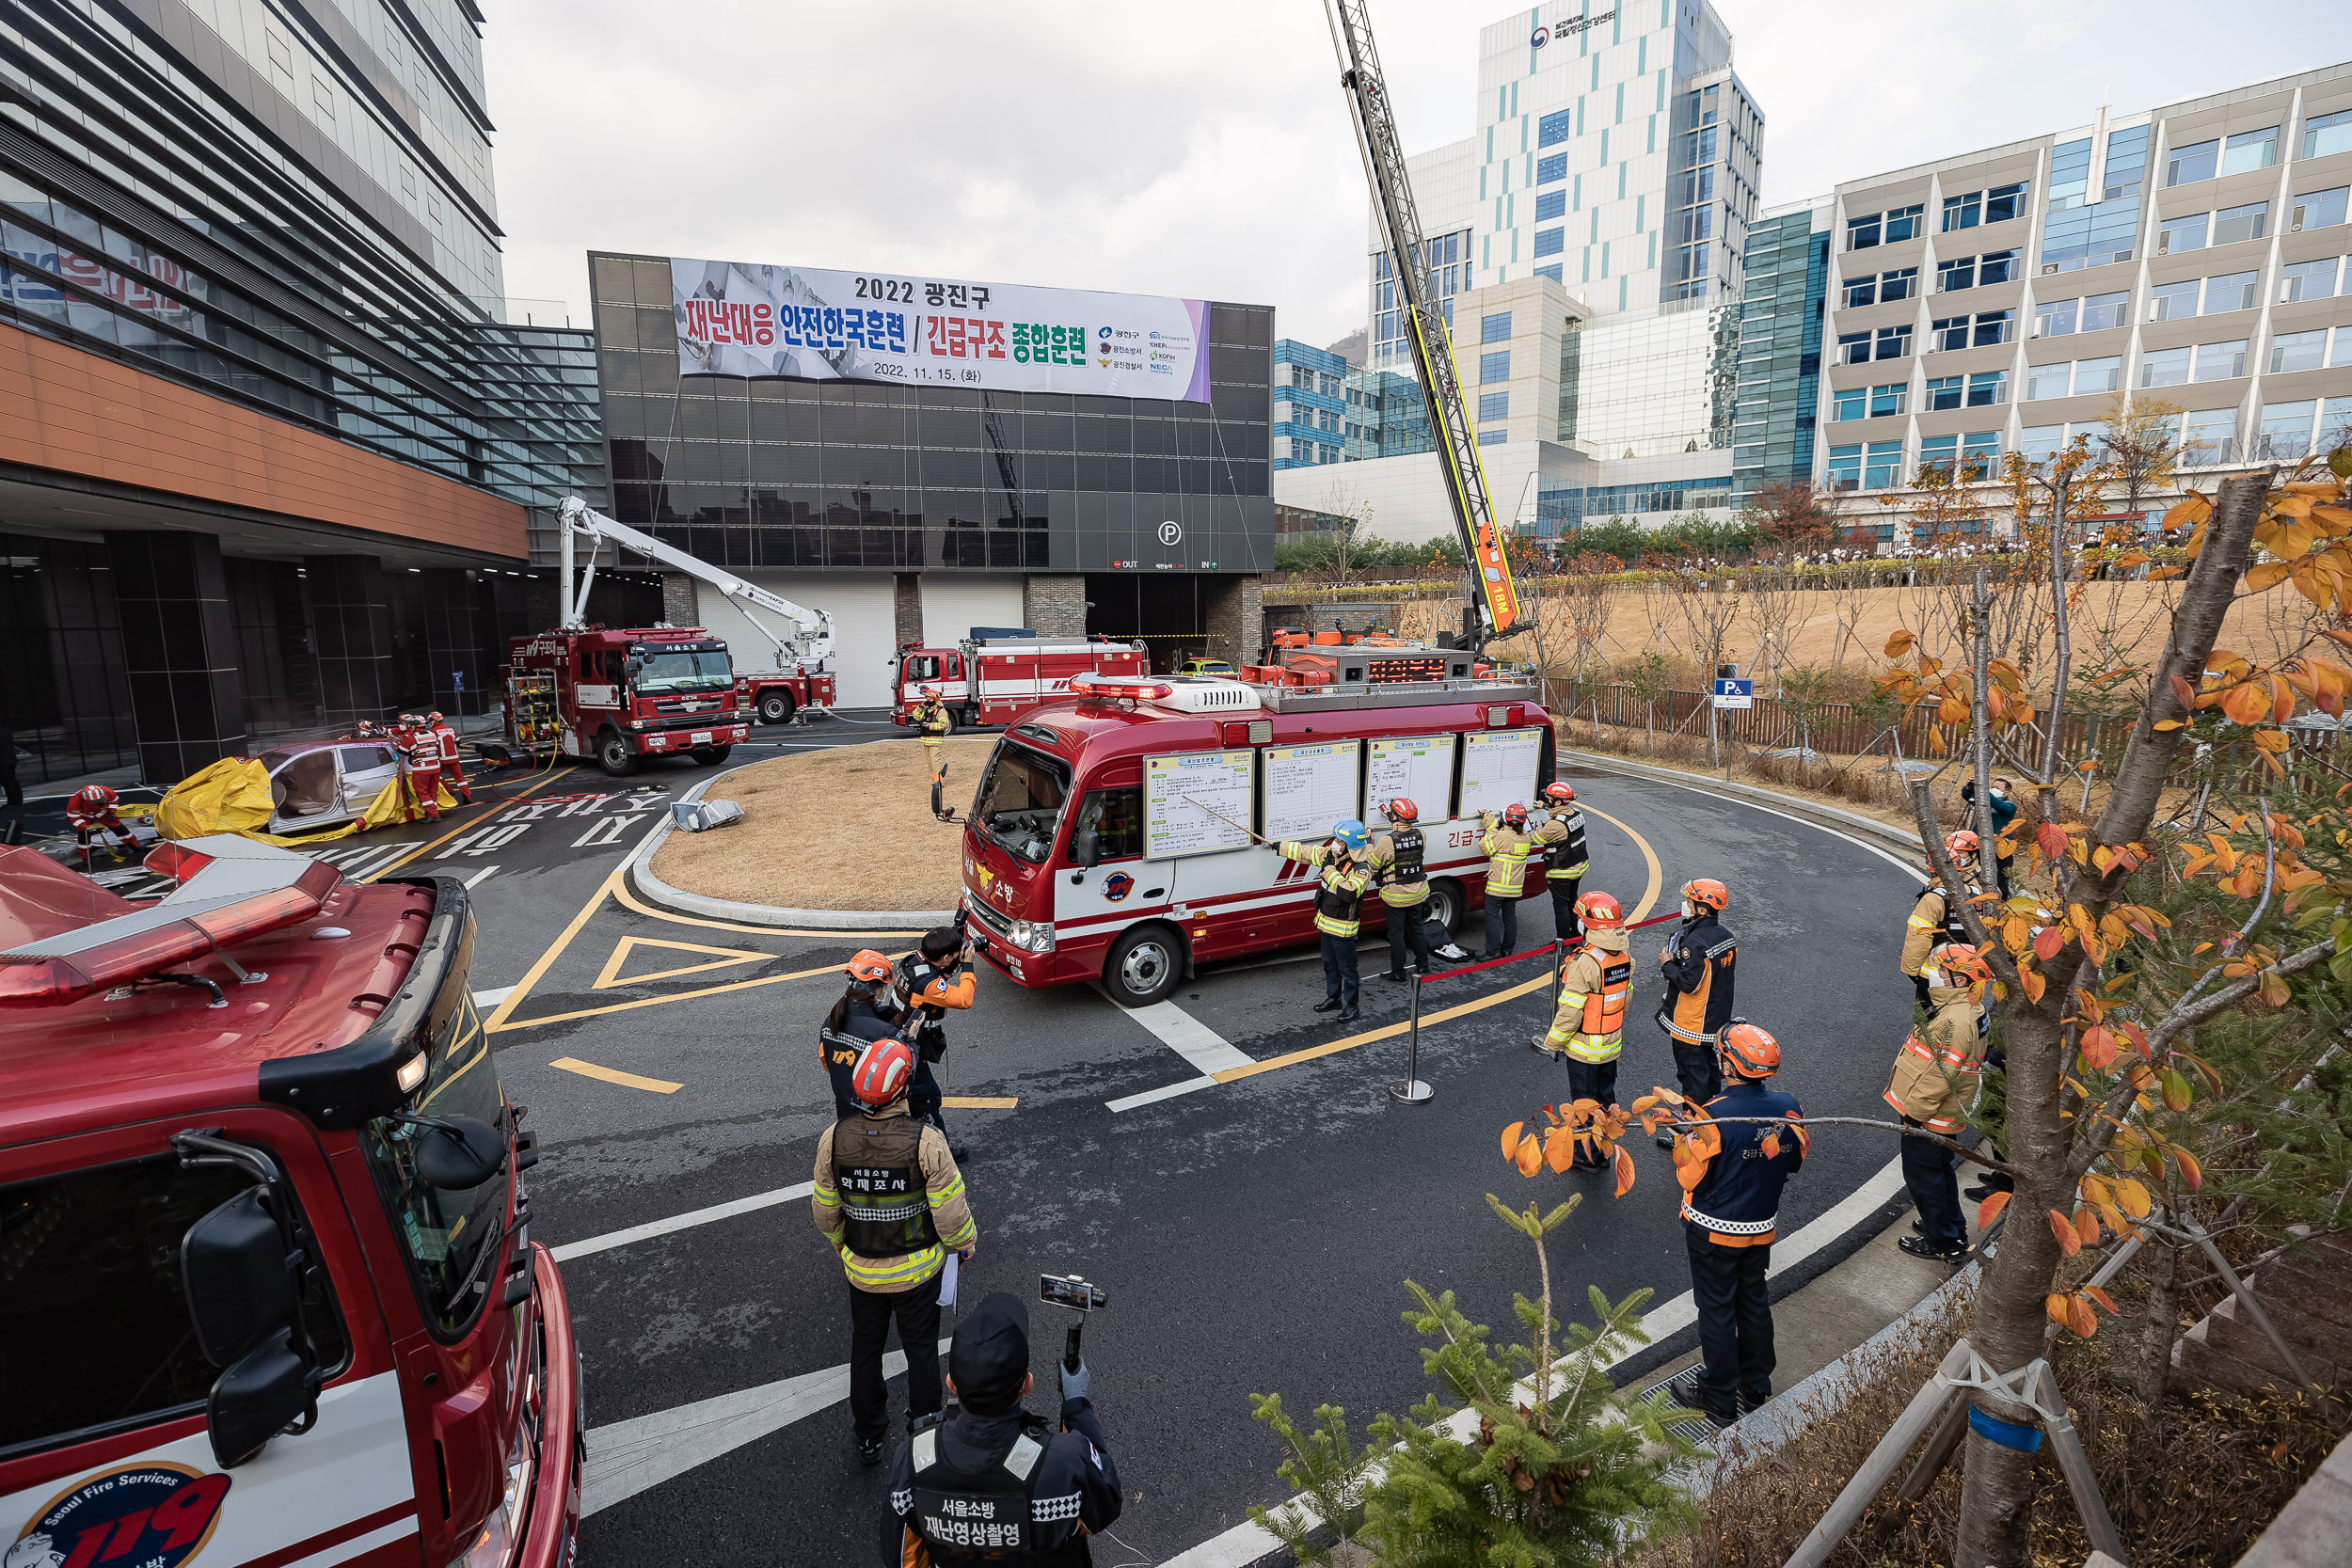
(883, 1071)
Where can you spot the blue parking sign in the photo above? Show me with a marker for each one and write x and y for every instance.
(1733, 692)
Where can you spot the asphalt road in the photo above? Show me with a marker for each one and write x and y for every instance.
(1253, 1237)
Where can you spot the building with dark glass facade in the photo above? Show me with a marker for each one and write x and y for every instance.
(269, 434)
(919, 512)
(1780, 349)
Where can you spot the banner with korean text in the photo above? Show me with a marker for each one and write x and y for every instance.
(739, 319)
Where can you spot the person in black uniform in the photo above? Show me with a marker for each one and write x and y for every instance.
(855, 1023)
(930, 982)
(992, 1482)
(1698, 961)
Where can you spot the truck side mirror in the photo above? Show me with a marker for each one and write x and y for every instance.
(633, 667)
(268, 1391)
(234, 1267)
(459, 1153)
(1087, 844)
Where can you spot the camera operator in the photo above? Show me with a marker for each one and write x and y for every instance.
(993, 1481)
(922, 987)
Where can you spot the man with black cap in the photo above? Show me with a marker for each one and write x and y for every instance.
(992, 1481)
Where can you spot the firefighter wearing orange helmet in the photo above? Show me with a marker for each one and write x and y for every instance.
(856, 1021)
(1931, 1085)
(1936, 918)
(1730, 1218)
(931, 727)
(1506, 844)
(1697, 962)
(90, 811)
(1588, 1031)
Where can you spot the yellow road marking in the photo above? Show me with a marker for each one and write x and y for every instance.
(1657, 876)
(662, 1001)
(632, 902)
(379, 873)
(496, 1021)
(615, 1075)
(610, 975)
(979, 1101)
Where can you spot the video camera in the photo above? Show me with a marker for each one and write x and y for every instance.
(1074, 1292)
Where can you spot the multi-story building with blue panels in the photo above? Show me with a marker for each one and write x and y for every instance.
(1310, 412)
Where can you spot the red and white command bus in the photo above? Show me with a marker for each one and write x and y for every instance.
(994, 680)
(1109, 836)
(270, 1294)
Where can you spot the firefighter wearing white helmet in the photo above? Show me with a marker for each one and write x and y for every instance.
(1936, 918)
(1344, 861)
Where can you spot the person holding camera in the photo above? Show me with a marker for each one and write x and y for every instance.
(888, 1197)
(993, 1481)
(924, 985)
(854, 1023)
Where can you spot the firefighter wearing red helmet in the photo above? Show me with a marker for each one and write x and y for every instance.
(1730, 1218)
(90, 812)
(452, 764)
(1698, 963)
(1936, 918)
(1588, 1031)
(1931, 1085)
(1506, 844)
(1397, 866)
(888, 1197)
(1566, 860)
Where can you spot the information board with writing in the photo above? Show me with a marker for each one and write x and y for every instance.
(1185, 796)
(1308, 788)
(1499, 769)
(1418, 766)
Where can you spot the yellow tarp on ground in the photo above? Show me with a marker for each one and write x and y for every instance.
(232, 795)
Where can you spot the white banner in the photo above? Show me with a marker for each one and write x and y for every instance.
(742, 319)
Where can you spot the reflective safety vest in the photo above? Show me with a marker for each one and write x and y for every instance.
(1506, 861)
(885, 1197)
(990, 1513)
(1405, 882)
(1591, 1024)
(1564, 846)
(932, 720)
(1338, 901)
(1929, 1072)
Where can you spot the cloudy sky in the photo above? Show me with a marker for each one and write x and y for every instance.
(1203, 148)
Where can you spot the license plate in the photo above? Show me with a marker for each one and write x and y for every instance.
(700, 738)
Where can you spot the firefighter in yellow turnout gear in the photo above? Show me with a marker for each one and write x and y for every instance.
(1933, 1082)
(932, 727)
(1588, 1032)
(1507, 844)
(1338, 907)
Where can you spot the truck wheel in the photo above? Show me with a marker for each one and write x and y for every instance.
(1145, 966)
(614, 755)
(1446, 903)
(775, 706)
(710, 756)
(962, 718)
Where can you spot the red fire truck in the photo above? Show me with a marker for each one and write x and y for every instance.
(617, 696)
(271, 1286)
(994, 680)
(1110, 835)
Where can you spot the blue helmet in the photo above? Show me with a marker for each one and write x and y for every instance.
(1351, 834)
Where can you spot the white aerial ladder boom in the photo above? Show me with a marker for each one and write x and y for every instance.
(810, 647)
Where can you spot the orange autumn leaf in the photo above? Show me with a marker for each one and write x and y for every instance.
(2080, 1318)
(2103, 1299)
(1991, 1208)
(2054, 1306)
(1559, 1149)
(2047, 942)
(1900, 644)
(2098, 1049)
(1511, 1139)
(1622, 1163)
(2052, 840)
(2087, 1224)
(1530, 1158)
(2069, 1242)
(2192, 1174)
(1770, 1146)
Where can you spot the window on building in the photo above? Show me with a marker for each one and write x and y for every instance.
(2169, 302)
(1555, 128)
(1994, 327)
(1940, 453)
(1550, 242)
(1957, 271)
(1550, 204)
(1988, 387)
(2233, 225)
(1897, 285)
(2039, 443)
(1495, 328)
(2220, 361)
(1495, 437)
(2231, 292)
(1552, 272)
(1979, 454)
(1903, 223)
(1862, 291)
(1949, 333)
(2187, 232)
(1495, 366)
(1882, 465)
(1851, 402)
(2004, 202)
(1894, 342)
(1862, 233)
(2286, 432)
(1963, 212)
(1845, 467)
(2127, 163)
(1997, 266)
(2342, 355)
(2335, 423)
(2208, 436)
(2191, 164)
(2249, 150)
(2326, 134)
(1853, 348)
(1493, 406)
(2307, 280)
(2048, 381)
(2299, 351)
(1551, 168)
(1942, 391)
(2164, 367)
(2319, 210)
(1892, 398)
(2099, 375)
(2055, 317)
(2102, 312)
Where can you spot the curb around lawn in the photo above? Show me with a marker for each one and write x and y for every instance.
(678, 901)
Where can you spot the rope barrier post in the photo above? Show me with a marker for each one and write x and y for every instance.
(1412, 1091)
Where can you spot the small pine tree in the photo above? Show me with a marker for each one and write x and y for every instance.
(1561, 1470)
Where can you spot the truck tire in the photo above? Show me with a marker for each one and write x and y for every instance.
(710, 756)
(775, 705)
(1145, 966)
(1447, 904)
(962, 718)
(614, 754)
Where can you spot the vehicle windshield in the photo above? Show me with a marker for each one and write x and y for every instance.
(451, 1236)
(1020, 801)
(665, 673)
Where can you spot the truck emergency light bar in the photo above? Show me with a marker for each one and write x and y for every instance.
(238, 889)
(1104, 688)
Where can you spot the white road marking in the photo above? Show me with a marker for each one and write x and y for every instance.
(475, 881)
(628, 1457)
(692, 1217)
(606, 829)
(1247, 1543)
(1166, 1091)
(1184, 1033)
(492, 997)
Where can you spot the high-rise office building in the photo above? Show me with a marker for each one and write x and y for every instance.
(1780, 347)
(1311, 417)
(1998, 301)
(272, 436)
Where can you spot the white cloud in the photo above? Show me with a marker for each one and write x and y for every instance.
(1201, 149)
